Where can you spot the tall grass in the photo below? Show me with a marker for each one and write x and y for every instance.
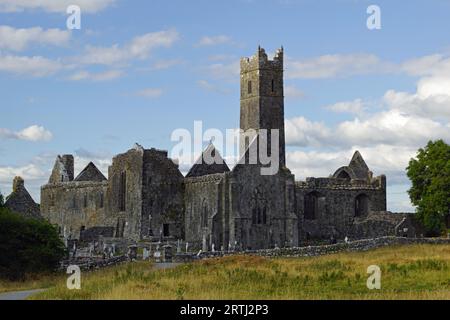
(408, 272)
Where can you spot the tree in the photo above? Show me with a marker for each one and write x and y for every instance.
(430, 191)
(27, 246)
(2, 201)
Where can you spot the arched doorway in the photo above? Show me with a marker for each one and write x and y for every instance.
(361, 205)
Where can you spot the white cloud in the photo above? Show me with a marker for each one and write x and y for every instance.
(292, 92)
(101, 76)
(150, 93)
(35, 66)
(165, 64)
(302, 132)
(355, 106)
(20, 39)
(336, 65)
(140, 47)
(214, 40)
(33, 133)
(435, 64)
(204, 84)
(87, 6)
(391, 127)
(224, 71)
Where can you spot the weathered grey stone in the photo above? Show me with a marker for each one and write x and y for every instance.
(21, 202)
(146, 197)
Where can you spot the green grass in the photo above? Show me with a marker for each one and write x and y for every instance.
(408, 272)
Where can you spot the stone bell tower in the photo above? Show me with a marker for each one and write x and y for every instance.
(262, 97)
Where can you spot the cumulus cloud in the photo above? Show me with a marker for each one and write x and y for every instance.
(35, 66)
(87, 6)
(355, 106)
(225, 71)
(33, 133)
(208, 86)
(139, 47)
(100, 76)
(19, 39)
(336, 65)
(302, 132)
(292, 92)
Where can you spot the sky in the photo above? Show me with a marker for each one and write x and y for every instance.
(138, 70)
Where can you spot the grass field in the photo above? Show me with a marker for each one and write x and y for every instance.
(408, 272)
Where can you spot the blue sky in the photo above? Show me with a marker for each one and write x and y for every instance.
(138, 70)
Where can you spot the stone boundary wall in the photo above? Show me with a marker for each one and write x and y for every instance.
(88, 264)
(312, 251)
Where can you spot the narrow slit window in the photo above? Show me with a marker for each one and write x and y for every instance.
(249, 87)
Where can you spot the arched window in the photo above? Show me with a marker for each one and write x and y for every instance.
(344, 175)
(254, 216)
(204, 217)
(102, 200)
(259, 207)
(122, 191)
(312, 205)
(361, 205)
(264, 218)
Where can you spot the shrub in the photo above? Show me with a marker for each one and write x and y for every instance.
(27, 246)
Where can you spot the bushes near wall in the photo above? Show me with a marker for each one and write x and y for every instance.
(27, 246)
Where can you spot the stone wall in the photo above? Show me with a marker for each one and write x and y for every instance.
(335, 209)
(262, 208)
(162, 197)
(358, 245)
(203, 214)
(74, 206)
(124, 204)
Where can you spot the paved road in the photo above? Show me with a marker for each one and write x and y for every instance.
(18, 295)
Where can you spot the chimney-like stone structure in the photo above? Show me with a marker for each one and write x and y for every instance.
(68, 162)
(18, 184)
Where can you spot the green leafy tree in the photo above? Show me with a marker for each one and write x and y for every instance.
(430, 191)
(27, 246)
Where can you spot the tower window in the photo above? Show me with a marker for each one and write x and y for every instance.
(166, 230)
(273, 86)
(101, 200)
(249, 87)
(122, 191)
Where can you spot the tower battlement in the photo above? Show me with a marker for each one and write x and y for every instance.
(261, 61)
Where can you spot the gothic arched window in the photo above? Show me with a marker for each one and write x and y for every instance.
(204, 217)
(312, 205)
(361, 205)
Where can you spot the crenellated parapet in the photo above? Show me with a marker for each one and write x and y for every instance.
(261, 61)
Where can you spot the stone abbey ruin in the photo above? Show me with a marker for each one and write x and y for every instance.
(146, 197)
